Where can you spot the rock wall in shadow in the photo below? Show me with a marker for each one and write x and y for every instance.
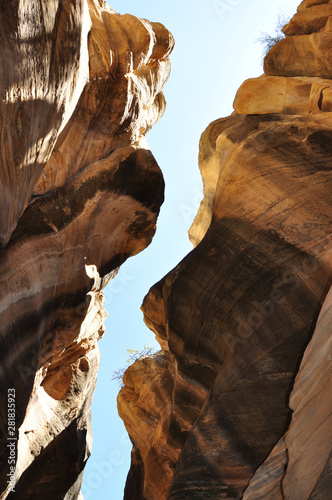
(80, 192)
(242, 381)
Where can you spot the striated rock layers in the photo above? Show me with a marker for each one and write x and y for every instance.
(80, 193)
(238, 403)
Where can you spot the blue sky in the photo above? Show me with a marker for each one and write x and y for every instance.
(216, 50)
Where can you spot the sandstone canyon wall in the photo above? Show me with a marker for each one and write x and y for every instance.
(79, 192)
(238, 402)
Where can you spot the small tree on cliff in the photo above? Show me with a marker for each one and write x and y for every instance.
(267, 40)
(132, 356)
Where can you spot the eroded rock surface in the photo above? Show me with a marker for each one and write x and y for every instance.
(299, 466)
(243, 379)
(79, 193)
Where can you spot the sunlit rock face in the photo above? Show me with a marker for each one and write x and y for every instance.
(79, 193)
(242, 387)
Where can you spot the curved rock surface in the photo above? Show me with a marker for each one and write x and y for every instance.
(79, 192)
(237, 318)
(306, 50)
(299, 466)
